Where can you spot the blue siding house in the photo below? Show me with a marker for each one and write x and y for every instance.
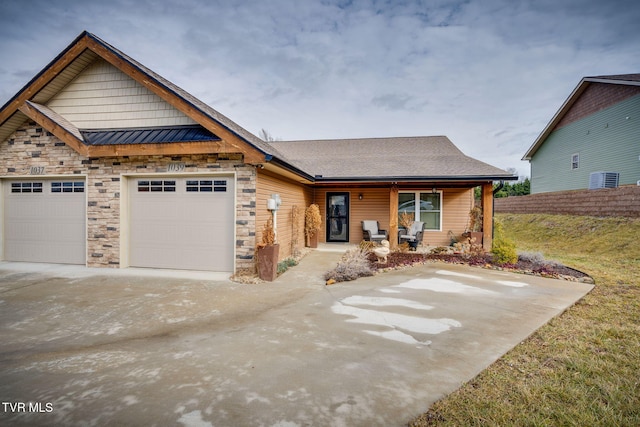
(593, 141)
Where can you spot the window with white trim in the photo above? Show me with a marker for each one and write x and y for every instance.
(425, 207)
(575, 161)
(67, 187)
(157, 185)
(26, 187)
(206, 186)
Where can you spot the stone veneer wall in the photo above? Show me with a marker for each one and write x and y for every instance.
(31, 146)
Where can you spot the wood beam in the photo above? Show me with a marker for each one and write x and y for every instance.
(51, 126)
(393, 217)
(487, 216)
(165, 149)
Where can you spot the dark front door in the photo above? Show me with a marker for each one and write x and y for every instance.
(337, 217)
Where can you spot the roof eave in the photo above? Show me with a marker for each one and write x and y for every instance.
(441, 179)
(568, 103)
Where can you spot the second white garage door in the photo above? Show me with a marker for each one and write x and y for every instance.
(182, 222)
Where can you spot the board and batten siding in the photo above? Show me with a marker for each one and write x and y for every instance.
(374, 205)
(103, 97)
(606, 141)
(292, 194)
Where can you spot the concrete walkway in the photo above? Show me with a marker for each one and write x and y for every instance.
(126, 349)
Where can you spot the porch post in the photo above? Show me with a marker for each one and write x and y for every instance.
(487, 216)
(393, 217)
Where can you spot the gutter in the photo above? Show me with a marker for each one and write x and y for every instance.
(320, 178)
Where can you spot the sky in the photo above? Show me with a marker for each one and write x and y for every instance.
(488, 74)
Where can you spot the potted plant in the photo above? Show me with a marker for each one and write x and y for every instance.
(267, 253)
(312, 223)
(475, 227)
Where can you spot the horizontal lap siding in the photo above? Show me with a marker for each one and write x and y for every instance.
(375, 206)
(457, 205)
(102, 96)
(291, 193)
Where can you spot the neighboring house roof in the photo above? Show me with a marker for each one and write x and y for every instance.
(631, 80)
(387, 159)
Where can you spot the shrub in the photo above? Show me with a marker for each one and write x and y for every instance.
(503, 250)
(285, 264)
(354, 264)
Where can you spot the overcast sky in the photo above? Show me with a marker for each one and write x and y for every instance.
(487, 74)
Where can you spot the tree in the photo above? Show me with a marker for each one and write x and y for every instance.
(265, 135)
(520, 188)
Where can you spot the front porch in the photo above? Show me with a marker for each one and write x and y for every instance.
(445, 211)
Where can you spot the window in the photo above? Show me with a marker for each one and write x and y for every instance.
(157, 186)
(575, 161)
(206, 186)
(428, 208)
(26, 187)
(67, 187)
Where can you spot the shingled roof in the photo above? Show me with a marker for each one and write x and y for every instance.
(386, 159)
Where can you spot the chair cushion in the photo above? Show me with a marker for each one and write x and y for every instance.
(415, 228)
(371, 226)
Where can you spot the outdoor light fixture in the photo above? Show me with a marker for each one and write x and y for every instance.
(434, 190)
(360, 196)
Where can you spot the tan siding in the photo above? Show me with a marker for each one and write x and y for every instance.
(104, 97)
(375, 206)
(456, 207)
(291, 193)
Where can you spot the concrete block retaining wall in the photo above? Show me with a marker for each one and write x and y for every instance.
(623, 201)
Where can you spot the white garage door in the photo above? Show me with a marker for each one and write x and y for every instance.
(182, 222)
(44, 221)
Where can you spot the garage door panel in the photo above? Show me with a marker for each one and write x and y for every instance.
(45, 226)
(189, 227)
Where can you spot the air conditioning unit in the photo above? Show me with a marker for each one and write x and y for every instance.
(603, 180)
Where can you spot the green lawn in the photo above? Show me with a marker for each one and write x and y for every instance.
(583, 367)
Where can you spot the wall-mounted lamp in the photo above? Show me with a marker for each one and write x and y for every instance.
(434, 190)
(360, 196)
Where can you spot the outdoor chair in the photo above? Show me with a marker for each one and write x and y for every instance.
(413, 235)
(372, 232)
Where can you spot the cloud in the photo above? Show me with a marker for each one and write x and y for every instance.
(489, 74)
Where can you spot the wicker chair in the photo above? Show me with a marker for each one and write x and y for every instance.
(372, 232)
(413, 235)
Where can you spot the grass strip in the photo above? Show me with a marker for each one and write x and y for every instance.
(583, 367)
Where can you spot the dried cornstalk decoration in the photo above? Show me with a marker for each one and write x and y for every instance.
(405, 219)
(268, 233)
(296, 216)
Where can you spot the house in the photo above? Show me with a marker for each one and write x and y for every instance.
(592, 141)
(105, 163)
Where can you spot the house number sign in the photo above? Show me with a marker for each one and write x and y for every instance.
(37, 170)
(176, 167)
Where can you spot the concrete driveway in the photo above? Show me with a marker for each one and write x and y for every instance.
(82, 347)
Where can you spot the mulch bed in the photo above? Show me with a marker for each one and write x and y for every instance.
(396, 260)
